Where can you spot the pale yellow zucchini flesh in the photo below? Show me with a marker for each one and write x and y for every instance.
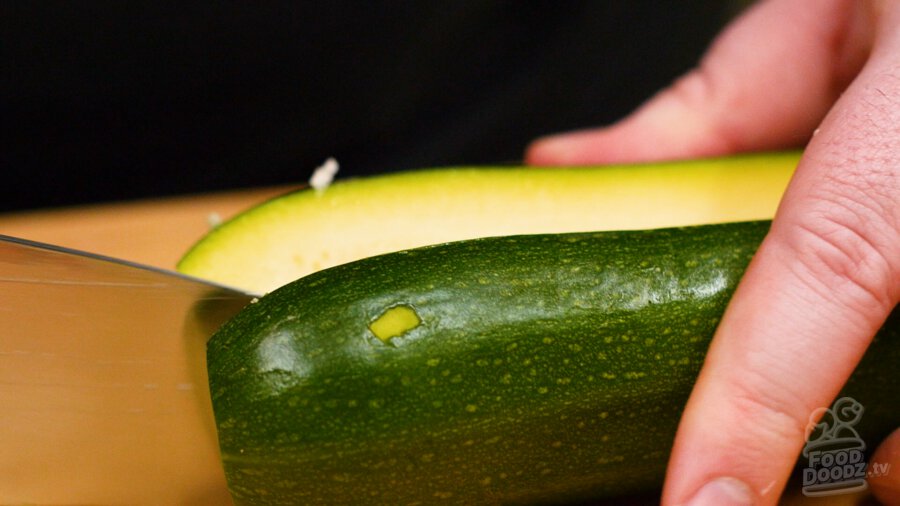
(309, 230)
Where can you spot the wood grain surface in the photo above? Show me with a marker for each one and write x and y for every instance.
(152, 232)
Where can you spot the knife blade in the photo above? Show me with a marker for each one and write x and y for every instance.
(103, 386)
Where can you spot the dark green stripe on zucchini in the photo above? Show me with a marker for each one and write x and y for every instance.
(542, 368)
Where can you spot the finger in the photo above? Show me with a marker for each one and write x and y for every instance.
(765, 83)
(821, 284)
(885, 479)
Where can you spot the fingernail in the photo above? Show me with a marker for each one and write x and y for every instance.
(723, 492)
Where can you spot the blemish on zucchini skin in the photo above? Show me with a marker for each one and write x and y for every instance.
(395, 321)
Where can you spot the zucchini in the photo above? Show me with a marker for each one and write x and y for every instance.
(522, 369)
(305, 231)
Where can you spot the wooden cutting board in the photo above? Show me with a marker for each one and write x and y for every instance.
(153, 232)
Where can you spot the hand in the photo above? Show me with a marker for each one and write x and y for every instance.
(827, 275)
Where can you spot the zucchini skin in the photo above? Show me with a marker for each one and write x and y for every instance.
(544, 368)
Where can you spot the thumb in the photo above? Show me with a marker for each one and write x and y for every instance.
(765, 83)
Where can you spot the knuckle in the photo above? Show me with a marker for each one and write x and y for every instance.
(775, 414)
(694, 89)
(706, 95)
(848, 247)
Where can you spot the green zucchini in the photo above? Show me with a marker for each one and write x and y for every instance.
(521, 369)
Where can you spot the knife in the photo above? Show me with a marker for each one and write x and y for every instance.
(103, 386)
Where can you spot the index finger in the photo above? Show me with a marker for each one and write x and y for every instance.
(820, 286)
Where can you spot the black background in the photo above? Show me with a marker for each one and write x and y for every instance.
(108, 101)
